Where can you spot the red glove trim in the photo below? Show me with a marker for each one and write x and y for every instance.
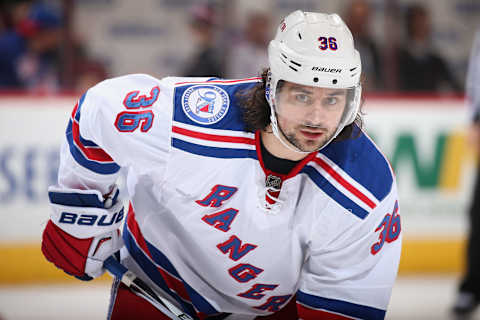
(65, 251)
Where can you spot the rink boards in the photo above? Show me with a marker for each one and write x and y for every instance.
(425, 139)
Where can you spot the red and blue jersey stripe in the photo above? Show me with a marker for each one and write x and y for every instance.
(161, 271)
(311, 307)
(353, 173)
(224, 139)
(361, 160)
(85, 152)
(214, 143)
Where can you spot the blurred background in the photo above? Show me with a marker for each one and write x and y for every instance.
(414, 55)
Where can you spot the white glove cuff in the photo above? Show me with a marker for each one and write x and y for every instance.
(83, 222)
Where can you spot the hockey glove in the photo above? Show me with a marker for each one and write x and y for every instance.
(83, 231)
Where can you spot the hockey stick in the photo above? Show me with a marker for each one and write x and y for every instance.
(142, 289)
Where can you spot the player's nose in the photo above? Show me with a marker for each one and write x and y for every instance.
(316, 114)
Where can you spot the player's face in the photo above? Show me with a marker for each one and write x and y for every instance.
(309, 116)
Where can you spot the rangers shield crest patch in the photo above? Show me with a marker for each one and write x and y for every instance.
(205, 104)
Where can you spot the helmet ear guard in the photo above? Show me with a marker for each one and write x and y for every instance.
(314, 49)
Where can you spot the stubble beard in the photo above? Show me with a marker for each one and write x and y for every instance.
(309, 145)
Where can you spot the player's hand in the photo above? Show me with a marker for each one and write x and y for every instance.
(82, 232)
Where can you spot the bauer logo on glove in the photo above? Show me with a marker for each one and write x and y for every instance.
(91, 219)
(82, 213)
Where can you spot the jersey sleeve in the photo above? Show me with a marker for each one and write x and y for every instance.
(123, 122)
(352, 275)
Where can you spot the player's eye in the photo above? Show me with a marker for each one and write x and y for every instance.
(303, 98)
(330, 101)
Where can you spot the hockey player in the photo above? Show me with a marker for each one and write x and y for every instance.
(249, 198)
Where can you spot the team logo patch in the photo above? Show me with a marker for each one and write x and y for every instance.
(205, 104)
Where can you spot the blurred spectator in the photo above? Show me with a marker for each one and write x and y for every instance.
(12, 44)
(468, 297)
(206, 60)
(33, 56)
(39, 67)
(29, 51)
(250, 54)
(358, 20)
(420, 68)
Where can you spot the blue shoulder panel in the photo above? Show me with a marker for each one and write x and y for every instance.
(211, 104)
(360, 158)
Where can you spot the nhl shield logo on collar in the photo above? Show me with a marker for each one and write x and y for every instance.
(205, 104)
(273, 182)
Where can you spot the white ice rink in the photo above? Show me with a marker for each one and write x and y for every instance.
(419, 297)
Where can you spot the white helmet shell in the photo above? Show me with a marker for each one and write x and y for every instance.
(314, 49)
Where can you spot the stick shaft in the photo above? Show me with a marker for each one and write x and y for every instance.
(139, 287)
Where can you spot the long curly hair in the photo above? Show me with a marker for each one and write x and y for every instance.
(256, 111)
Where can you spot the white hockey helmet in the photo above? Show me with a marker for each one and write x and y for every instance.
(314, 49)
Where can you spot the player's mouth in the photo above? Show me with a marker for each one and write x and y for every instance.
(312, 134)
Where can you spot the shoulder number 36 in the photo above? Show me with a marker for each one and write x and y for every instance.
(136, 115)
(390, 229)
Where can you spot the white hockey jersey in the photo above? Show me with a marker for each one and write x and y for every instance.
(197, 230)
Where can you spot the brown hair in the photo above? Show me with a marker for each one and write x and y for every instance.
(256, 111)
